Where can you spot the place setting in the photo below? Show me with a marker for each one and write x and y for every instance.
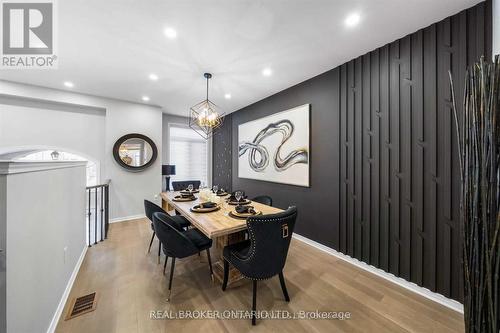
(184, 197)
(190, 190)
(244, 211)
(209, 202)
(238, 198)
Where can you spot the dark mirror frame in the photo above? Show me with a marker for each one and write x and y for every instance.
(116, 150)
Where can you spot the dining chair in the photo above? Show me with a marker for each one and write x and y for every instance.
(182, 185)
(264, 199)
(263, 255)
(150, 208)
(179, 243)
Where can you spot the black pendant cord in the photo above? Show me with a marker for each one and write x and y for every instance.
(207, 88)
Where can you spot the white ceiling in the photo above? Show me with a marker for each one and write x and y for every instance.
(109, 47)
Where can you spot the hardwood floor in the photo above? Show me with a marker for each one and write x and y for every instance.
(130, 285)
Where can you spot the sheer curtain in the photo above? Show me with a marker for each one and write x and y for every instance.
(188, 152)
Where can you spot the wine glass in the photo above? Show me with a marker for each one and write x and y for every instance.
(225, 206)
(190, 187)
(215, 188)
(238, 195)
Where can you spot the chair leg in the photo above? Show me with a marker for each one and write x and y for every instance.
(172, 266)
(254, 302)
(283, 287)
(226, 274)
(210, 264)
(151, 242)
(159, 250)
(165, 265)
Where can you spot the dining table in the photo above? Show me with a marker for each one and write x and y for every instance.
(218, 225)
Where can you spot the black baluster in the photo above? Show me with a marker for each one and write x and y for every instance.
(95, 217)
(106, 211)
(89, 213)
(102, 212)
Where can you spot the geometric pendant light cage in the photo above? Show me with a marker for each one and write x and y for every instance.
(205, 117)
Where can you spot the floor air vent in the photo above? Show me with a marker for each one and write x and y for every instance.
(82, 305)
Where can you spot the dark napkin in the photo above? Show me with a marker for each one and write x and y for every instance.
(187, 195)
(220, 191)
(207, 205)
(244, 209)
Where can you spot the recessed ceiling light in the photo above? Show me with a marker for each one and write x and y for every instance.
(227, 96)
(69, 84)
(352, 20)
(170, 33)
(267, 71)
(145, 98)
(153, 77)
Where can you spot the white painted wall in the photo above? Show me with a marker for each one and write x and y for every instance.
(64, 127)
(496, 27)
(127, 190)
(38, 268)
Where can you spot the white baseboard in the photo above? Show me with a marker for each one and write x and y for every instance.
(64, 298)
(127, 218)
(452, 304)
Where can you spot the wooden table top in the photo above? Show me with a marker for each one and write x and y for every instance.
(214, 224)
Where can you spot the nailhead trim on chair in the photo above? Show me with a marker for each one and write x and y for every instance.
(253, 245)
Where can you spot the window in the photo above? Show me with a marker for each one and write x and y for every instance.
(189, 154)
(46, 155)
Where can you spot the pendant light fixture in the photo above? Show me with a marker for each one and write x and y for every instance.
(205, 117)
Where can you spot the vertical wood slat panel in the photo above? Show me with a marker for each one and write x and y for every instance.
(444, 61)
(430, 157)
(367, 157)
(385, 156)
(404, 176)
(344, 193)
(417, 147)
(351, 125)
(375, 192)
(358, 159)
(395, 165)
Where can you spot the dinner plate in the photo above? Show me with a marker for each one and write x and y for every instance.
(235, 203)
(179, 198)
(243, 215)
(222, 194)
(196, 209)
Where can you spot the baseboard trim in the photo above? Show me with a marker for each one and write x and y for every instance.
(449, 303)
(127, 218)
(64, 298)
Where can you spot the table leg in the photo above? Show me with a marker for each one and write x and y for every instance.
(220, 242)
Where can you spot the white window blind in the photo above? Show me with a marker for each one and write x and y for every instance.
(188, 152)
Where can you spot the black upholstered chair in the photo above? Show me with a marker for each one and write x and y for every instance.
(150, 208)
(264, 199)
(179, 243)
(264, 254)
(182, 185)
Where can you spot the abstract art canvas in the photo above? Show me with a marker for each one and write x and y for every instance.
(276, 148)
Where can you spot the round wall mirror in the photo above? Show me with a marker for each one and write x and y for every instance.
(135, 152)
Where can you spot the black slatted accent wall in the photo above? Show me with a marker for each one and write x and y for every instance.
(384, 173)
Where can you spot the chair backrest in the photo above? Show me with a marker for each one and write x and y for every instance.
(182, 185)
(150, 208)
(175, 243)
(264, 199)
(270, 237)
